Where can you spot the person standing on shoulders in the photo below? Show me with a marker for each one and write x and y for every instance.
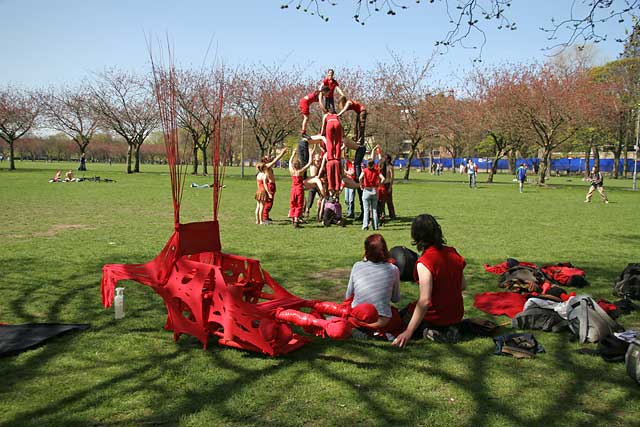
(327, 102)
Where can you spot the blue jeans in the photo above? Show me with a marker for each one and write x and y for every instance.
(349, 197)
(370, 202)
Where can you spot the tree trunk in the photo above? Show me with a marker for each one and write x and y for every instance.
(406, 172)
(12, 165)
(544, 165)
(136, 168)
(129, 149)
(431, 160)
(596, 157)
(205, 170)
(195, 159)
(548, 160)
(587, 156)
(511, 162)
(494, 166)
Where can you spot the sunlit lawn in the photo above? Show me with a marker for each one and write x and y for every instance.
(56, 237)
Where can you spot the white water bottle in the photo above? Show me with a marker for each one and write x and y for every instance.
(118, 302)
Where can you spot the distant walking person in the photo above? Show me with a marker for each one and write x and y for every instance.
(597, 183)
(521, 176)
(471, 173)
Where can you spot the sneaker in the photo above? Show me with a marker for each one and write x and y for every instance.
(432, 335)
(606, 201)
(587, 201)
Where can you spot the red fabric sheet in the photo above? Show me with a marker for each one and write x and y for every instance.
(499, 303)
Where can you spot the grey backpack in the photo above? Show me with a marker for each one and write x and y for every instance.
(632, 360)
(588, 320)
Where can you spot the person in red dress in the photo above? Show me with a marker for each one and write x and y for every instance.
(440, 275)
(332, 129)
(262, 194)
(296, 199)
(361, 116)
(327, 102)
(270, 183)
(306, 102)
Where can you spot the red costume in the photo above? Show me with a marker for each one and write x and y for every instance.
(306, 102)
(268, 204)
(261, 194)
(333, 130)
(446, 266)
(333, 83)
(356, 107)
(296, 200)
(371, 177)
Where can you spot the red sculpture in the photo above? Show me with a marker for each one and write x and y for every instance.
(210, 293)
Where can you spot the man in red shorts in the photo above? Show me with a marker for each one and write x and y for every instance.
(326, 101)
(306, 102)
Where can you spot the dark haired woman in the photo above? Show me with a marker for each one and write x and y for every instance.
(374, 280)
(439, 272)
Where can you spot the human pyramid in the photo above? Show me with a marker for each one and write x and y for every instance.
(322, 172)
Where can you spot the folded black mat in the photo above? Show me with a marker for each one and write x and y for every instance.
(15, 339)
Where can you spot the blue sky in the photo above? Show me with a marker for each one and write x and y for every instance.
(48, 42)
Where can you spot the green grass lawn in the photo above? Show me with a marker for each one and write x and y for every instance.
(56, 238)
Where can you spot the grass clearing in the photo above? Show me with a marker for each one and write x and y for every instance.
(56, 238)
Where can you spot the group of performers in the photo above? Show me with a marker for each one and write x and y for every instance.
(317, 164)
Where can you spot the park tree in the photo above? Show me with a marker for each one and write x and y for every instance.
(632, 44)
(267, 98)
(197, 96)
(125, 105)
(70, 111)
(505, 132)
(621, 78)
(402, 88)
(549, 100)
(19, 112)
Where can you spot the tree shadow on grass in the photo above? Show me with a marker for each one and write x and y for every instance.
(325, 383)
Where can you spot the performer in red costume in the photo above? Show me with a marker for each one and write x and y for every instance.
(361, 116)
(296, 199)
(306, 102)
(262, 194)
(327, 102)
(439, 272)
(270, 183)
(332, 129)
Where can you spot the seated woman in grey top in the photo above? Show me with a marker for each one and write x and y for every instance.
(375, 280)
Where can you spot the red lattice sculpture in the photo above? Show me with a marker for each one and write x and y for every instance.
(210, 293)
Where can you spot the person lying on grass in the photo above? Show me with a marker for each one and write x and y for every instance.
(441, 279)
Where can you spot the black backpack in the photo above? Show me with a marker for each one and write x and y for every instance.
(628, 285)
(612, 349)
(405, 260)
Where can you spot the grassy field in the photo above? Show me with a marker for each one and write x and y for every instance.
(56, 237)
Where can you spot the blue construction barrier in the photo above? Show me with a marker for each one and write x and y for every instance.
(566, 165)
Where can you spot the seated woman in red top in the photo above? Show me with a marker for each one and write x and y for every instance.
(441, 279)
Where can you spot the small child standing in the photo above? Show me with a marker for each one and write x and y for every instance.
(296, 200)
(262, 195)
